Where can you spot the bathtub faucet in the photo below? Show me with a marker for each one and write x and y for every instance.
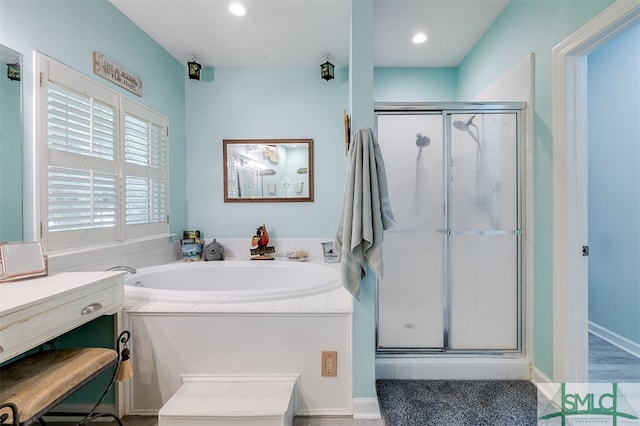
(129, 269)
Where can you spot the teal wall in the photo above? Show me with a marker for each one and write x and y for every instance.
(415, 84)
(614, 184)
(527, 26)
(10, 158)
(68, 31)
(361, 99)
(269, 103)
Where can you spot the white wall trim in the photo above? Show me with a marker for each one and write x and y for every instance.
(615, 339)
(543, 383)
(366, 409)
(570, 339)
(538, 377)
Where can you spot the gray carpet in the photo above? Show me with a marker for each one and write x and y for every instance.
(457, 402)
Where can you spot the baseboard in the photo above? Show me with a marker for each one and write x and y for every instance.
(366, 409)
(453, 368)
(615, 339)
(544, 384)
(538, 377)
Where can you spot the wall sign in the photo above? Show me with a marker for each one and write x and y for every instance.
(113, 72)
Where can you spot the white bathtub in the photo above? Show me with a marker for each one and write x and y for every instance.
(230, 281)
(238, 318)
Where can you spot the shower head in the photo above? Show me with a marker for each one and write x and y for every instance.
(466, 127)
(461, 125)
(422, 141)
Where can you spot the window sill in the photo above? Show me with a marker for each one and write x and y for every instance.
(136, 252)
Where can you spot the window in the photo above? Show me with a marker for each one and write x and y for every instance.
(106, 168)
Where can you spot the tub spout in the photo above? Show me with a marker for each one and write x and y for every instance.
(129, 269)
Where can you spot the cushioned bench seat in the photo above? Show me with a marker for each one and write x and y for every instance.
(38, 382)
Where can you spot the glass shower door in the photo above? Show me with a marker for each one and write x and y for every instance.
(410, 296)
(452, 265)
(484, 233)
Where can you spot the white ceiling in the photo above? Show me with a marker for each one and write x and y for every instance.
(291, 33)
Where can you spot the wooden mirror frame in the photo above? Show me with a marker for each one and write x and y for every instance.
(271, 149)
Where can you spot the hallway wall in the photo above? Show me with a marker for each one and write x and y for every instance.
(614, 184)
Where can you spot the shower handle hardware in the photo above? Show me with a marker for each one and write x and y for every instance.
(585, 251)
(91, 308)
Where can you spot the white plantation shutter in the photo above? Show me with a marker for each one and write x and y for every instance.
(81, 199)
(81, 175)
(106, 163)
(79, 124)
(145, 169)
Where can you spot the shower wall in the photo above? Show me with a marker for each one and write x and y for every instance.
(452, 265)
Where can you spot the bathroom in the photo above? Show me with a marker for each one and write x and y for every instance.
(202, 114)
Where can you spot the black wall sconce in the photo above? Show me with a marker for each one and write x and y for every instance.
(13, 72)
(194, 69)
(327, 70)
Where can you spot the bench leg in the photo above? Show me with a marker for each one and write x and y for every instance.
(123, 338)
(15, 420)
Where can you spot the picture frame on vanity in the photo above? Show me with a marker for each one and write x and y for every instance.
(22, 260)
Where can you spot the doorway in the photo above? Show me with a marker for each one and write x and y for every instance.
(614, 208)
(570, 220)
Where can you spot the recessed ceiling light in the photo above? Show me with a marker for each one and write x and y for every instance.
(237, 9)
(419, 38)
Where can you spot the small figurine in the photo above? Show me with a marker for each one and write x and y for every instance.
(259, 244)
(214, 251)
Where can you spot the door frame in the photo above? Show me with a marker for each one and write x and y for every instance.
(570, 228)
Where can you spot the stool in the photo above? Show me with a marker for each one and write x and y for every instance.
(33, 385)
(236, 400)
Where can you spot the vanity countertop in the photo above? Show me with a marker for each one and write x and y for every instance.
(20, 294)
(36, 310)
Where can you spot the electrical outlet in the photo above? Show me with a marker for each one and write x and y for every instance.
(329, 366)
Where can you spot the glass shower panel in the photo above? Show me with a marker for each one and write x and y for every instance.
(484, 292)
(484, 227)
(483, 172)
(410, 307)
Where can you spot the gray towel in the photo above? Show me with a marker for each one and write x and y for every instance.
(366, 211)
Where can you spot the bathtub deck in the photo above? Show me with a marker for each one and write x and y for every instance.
(336, 301)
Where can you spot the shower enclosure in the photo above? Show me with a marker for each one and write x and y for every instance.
(452, 266)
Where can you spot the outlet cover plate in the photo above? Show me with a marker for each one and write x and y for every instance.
(329, 366)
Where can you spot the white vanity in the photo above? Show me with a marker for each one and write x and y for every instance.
(34, 311)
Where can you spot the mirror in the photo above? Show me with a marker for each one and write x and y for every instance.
(268, 170)
(10, 145)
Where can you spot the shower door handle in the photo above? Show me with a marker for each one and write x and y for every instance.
(585, 250)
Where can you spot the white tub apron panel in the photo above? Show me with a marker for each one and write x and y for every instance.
(280, 337)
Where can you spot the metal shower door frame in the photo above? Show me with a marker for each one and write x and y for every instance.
(446, 110)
